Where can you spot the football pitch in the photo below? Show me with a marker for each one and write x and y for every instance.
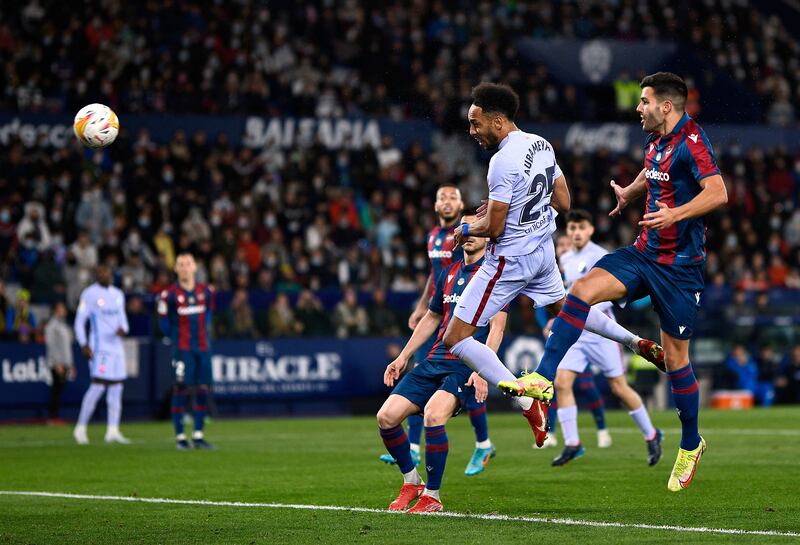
(320, 481)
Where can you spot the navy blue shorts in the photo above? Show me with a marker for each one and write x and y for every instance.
(191, 368)
(675, 290)
(419, 385)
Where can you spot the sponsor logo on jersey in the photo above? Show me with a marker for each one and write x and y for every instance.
(657, 175)
(452, 298)
(440, 254)
(191, 309)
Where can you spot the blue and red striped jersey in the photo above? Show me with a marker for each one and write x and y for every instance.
(442, 251)
(449, 287)
(186, 316)
(675, 163)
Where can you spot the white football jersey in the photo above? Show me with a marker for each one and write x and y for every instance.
(522, 173)
(575, 265)
(104, 309)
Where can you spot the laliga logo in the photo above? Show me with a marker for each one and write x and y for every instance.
(654, 174)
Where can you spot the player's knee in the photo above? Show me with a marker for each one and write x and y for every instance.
(582, 289)
(386, 419)
(436, 416)
(563, 384)
(619, 389)
(452, 337)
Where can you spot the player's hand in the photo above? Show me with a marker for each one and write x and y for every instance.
(87, 352)
(622, 202)
(548, 328)
(480, 385)
(458, 236)
(661, 218)
(394, 370)
(482, 209)
(120, 332)
(71, 374)
(415, 317)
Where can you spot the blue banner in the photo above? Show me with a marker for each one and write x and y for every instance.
(55, 130)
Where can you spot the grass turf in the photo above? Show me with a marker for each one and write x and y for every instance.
(748, 480)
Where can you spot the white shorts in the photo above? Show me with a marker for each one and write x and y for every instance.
(501, 278)
(605, 354)
(108, 365)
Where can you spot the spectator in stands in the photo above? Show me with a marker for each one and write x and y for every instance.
(133, 245)
(282, 321)
(165, 248)
(239, 322)
(135, 276)
(744, 369)
(349, 317)
(48, 280)
(8, 234)
(311, 315)
(32, 231)
(20, 319)
(788, 381)
(93, 215)
(58, 349)
(5, 307)
(383, 320)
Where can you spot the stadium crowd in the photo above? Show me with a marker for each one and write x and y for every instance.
(404, 59)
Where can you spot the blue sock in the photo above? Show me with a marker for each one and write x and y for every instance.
(552, 416)
(567, 327)
(396, 442)
(414, 428)
(478, 418)
(588, 388)
(200, 407)
(687, 402)
(436, 448)
(179, 395)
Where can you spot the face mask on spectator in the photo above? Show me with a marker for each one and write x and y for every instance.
(270, 221)
(5, 216)
(144, 222)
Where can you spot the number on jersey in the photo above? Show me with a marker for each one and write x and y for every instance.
(541, 187)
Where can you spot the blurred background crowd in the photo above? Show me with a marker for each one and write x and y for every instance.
(310, 241)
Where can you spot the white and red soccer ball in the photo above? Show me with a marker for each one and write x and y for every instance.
(96, 125)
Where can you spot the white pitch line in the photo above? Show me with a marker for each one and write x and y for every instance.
(716, 431)
(504, 518)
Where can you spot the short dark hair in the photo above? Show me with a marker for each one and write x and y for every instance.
(667, 85)
(577, 215)
(496, 97)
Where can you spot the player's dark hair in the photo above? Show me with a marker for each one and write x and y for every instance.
(667, 85)
(497, 98)
(447, 184)
(577, 215)
(185, 252)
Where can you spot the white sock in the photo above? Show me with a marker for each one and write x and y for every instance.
(89, 402)
(432, 493)
(642, 419)
(114, 404)
(602, 324)
(482, 359)
(412, 477)
(197, 434)
(568, 418)
(415, 448)
(523, 403)
(180, 437)
(483, 444)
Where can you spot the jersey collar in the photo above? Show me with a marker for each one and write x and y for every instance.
(474, 266)
(506, 139)
(684, 119)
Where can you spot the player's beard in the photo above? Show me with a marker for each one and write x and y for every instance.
(652, 123)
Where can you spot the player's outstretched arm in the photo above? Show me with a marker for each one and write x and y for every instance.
(561, 200)
(628, 194)
(425, 328)
(713, 195)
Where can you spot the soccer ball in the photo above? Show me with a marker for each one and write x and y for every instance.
(96, 125)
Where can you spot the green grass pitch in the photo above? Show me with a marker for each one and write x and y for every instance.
(749, 479)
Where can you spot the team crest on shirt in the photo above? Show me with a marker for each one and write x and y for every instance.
(438, 242)
(191, 300)
(460, 282)
(101, 302)
(658, 156)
